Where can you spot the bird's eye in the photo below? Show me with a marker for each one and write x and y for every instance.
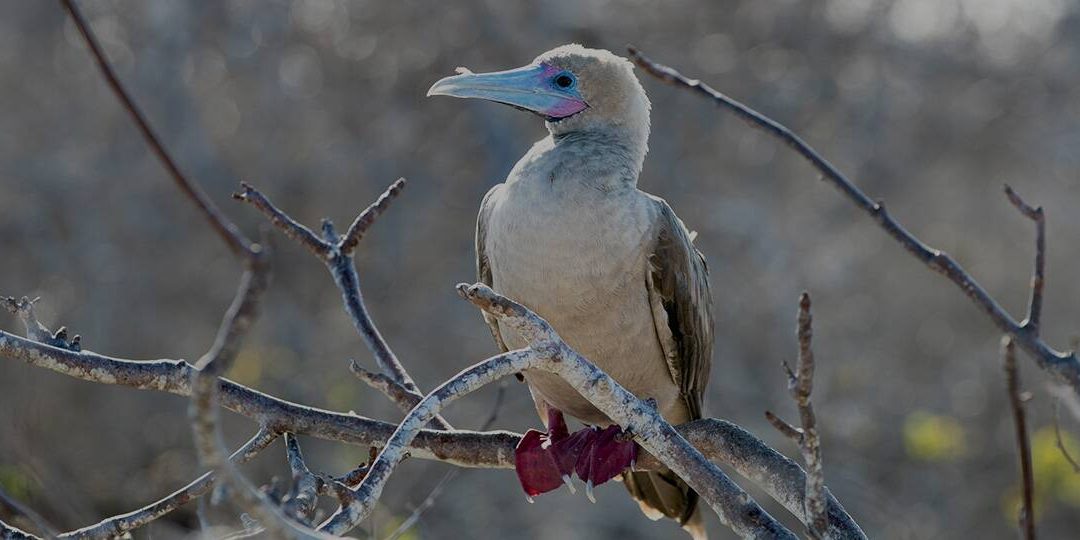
(564, 80)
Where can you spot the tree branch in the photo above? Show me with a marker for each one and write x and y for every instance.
(1064, 367)
(8, 532)
(1057, 436)
(548, 352)
(227, 230)
(1038, 276)
(402, 397)
(450, 475)
(203, 409)
(307, 486)
(117, 526)
(800, 385)
(337, 254)
(722, 441)
(1023, 443)
(366, 218)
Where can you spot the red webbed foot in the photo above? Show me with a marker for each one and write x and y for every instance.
(610, 452)
(545, 461)
(540, 467)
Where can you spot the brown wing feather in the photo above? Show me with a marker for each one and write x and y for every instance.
(680, 279)
(678, 283)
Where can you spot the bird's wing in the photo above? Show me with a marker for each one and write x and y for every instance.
(483, 266)
(678, 284)
(682, 307)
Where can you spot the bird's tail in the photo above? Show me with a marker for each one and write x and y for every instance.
(663, 494)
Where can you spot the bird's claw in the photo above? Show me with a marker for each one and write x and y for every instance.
(545, 461)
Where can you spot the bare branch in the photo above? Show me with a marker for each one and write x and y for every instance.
(332, 251)
(1064, 367)
(8, 532)
(800, 385)
(23, 308)
(783, 427)
(803, 384)
(1038, 276)
(370, 489)
(287, 225)
(204, 384)
(464, 448)
(117, 526)
(548, 352)
(1016, 401)
(1057, 437)
(302, 498)
(781, 478)
(227, 230)
(390, 388)
(722, 441)
(429, 501)
(366, 218)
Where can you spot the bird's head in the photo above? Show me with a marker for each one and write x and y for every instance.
(573, 88)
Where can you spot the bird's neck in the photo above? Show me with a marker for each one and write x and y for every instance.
(615, 149)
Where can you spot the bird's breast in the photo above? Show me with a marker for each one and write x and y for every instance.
(567, 254)
(580, 261)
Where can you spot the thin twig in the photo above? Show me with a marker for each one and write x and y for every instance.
(1038, 276)
(292, 228)
(394, 391)
(366, 218)
(23, 308)
(800, 386)
(1057, 436)
(302, 498)
(227, 230)
(1065, 367)
(119, 525)
(1016, 401)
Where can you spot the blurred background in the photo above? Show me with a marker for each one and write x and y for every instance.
(930, 105)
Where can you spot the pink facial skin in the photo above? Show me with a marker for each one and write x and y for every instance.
(563, 108)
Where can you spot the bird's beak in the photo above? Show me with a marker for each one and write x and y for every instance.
(531, 88)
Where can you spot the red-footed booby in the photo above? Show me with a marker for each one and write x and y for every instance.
(614, 271)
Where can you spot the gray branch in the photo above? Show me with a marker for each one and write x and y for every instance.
(1064, 367)
(800, 385)
(337, 254)
(722, 441)
(204, 411)
(1038, 274)
(9, 532)
(119, 525)
(1023, 442)
(548, 352)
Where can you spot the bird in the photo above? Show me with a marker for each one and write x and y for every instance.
(615, 272)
